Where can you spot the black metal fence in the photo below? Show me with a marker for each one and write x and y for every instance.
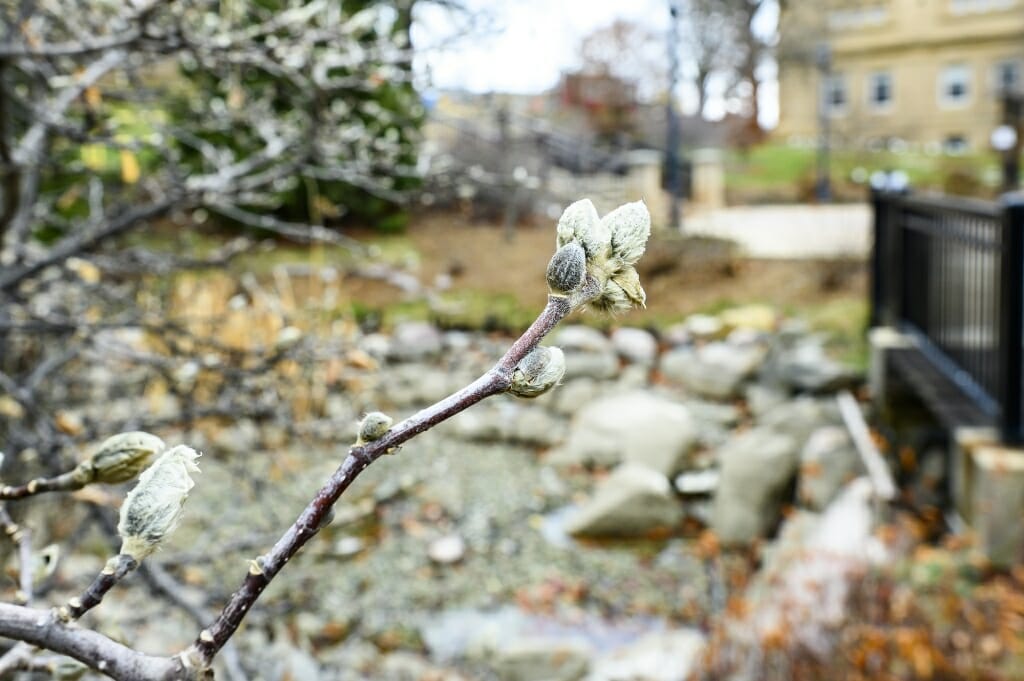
(950, 273)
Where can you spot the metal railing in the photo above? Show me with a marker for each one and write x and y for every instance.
(950, 273)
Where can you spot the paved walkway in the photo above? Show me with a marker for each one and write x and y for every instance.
(790, 231)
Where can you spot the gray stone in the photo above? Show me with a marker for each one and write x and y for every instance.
(756, 468)
(677, 335)
(658, 656)
(808, 368)
(762, 398)
(568, 398)
(414, 341)
(411, 385)
(634, 426)
(716, 370)
(585, 364)
(704, 327)
(635, 345)
(698, 482)
(509, 421)
(800, 417)
(447, 549)
(632, 501)
(828, 461)
(584, 338)
(538, 659)
(243, 436)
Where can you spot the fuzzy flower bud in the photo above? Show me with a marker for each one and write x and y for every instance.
(120, 458)
(567, 269)
(630, 227)
(152, 510)
(579, 223)
(374, 426)
(538, 372)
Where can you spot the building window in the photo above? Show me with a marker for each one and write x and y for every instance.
(834, 95)
(1007, 76)
(955, 85)
(880, 90)
(979, 6)
(860, 17)
(955, 144)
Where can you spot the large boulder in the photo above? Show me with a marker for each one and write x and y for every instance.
(583, 338)
(632, 501)
(828, 461)
(585, 364)
(635, 426)
(756, 469)
(800, 417)
(541, 659)
(716, 370)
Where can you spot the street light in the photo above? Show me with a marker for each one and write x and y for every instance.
(672, 133)
(823, 60)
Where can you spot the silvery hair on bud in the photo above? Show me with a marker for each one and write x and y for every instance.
(121, 457)
(538, 372)
(374, 426)
(152, 510)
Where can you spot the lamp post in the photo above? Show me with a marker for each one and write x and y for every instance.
(823, 60)
(672, 133)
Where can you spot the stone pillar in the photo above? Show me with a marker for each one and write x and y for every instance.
(997, 503)
(644, 181)
(881, 339)
(708, 181)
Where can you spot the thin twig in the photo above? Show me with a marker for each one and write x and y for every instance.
(265, 568)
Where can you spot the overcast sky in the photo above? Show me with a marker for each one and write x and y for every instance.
(524, 45)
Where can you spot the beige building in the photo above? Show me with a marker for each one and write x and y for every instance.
(931, 73)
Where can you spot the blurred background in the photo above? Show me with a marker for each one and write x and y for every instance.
(242, 224)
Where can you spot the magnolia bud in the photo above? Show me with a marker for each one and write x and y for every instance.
(121, 457)
(630, 227)
(567, 268)
(538, 372)
(579, 223)
(374, 426)
(152, 510)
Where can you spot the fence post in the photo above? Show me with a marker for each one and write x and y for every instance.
(1011, 340)
(880, 258)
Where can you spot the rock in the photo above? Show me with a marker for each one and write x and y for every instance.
(658, 656)
(703, 327)
(697, 482)
(827, 462)
(677, 335)
(806, 367)
(411, 385)
(415, 341)
(243, 436)
(376, 345)
(756, 468)
(633, 500)
(635, 426)
(509, 421)
(635, 345)
(568, 398)
(634, 376)
(800, 417)
(447, 550)
(598, 365)
(583, 338)
(762, 399)
(537, 659)
(716, 370)
(755, 317)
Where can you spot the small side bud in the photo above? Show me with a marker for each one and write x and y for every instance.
(538, 372)
(152, 510)
(122, 457)
(374, 426)
(567, 268)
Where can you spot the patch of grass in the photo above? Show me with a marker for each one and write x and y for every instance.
(845, 320)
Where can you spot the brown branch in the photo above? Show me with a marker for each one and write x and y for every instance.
(116, 569)
(309, 522)
(65, 482)
(93, 649)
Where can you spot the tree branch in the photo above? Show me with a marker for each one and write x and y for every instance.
(265, 568)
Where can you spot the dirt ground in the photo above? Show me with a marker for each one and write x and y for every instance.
(680, 275)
